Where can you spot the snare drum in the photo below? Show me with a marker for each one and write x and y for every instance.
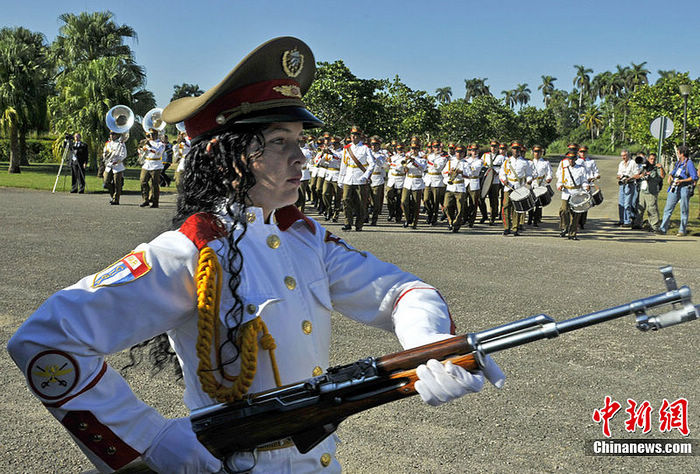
(580, 202)
(597, 197)
(542, 195)
(523, 200)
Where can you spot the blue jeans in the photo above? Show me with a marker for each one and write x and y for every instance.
(625, 203)
(682, 194)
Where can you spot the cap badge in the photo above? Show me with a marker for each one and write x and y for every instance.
(292, 62)
(288, 90)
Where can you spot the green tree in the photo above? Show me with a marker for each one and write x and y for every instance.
(522, 95)
(547, 88)
(509, 98)
(24, 86)
(638, 75)
(592, 119)
(186, 90)
(475, 87)
(483, 119)
(537, 126)
(583, 81)
(443, 95)
(406, 112)
(666, 74)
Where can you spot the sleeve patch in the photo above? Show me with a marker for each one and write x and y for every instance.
(52, 374)
(126, 270)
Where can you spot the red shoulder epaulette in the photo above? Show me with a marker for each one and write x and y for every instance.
(347, 146)
(202, 228)
(288, 215)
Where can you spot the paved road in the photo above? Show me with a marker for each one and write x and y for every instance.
(538, 422)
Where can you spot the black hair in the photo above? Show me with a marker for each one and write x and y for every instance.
(216, 180)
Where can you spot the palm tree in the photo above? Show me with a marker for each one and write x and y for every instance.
(443, 95)
(190, 90)
(547, 87)
(522, 94)
(592, 119)
(669, 74)
(638, 75)
(475, 87)
(509, 98)
(24, 86)
(582, 81)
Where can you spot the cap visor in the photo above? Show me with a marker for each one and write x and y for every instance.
(282, 114)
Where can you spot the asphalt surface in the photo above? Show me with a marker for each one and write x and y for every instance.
(538, 422)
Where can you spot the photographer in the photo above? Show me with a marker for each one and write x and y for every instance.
(626, 171)
(651, 181)
(682, 183)
(78, 163)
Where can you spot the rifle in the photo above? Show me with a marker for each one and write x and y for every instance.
(311, 410)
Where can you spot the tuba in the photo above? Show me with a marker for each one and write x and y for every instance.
(120, 119)
(153, 120)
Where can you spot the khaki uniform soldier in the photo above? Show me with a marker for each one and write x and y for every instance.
(394, 184)
(332, 193)
(152, 154)
(541, 176)
(571, 179)
(313, 169)
(472, 173)
(455, 191)
(434, 193)
(592, 174)
(515, 173)
(113, 157)
(415, 165)
(320, 162)
(355, 172)
(376, 194)
(304, 189)
(494, 159)
(180, 151)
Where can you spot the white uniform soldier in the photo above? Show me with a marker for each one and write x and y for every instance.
(434, 194)
(332, 192)
(572, 178)
(415, 165)
(376, 189)
(494, 159)
(472, 173)
(152, 153)
(180, 150)
(541, 176)
(592, 174)
(113, 156)
(320, 167)
(395, 178)
(515, 173)
(355, 172)
(304, 189)
(454, 173)
(289, 274)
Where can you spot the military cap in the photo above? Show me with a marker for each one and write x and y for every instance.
(493, 143)
(355, 129)
(459, 148)
(375, 139)
(265, 87)
(473, 146)
(393, 142)
(516, 144)
(435, 143)
(451, 145)
(399, 146)
(326, 134)
(415, 140)
(348, 140)
(502, 146)
(320, 140)
(335, 140)
(572, 146)
(537, 148)
(583, 148)
(311, 137)
(571, 154)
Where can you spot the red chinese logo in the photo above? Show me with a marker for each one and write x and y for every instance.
(672, 415)
(605, 414)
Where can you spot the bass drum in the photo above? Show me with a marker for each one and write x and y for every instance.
(523, 200)
(542, 195)
(580, 202)
(597, 197)
(485, 181)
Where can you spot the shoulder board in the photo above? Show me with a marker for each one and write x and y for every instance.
(347, 146)
(288, 215)
(202, 228)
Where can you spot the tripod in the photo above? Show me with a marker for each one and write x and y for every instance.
(66, 147)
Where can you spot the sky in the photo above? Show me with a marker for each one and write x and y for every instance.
(429, 43)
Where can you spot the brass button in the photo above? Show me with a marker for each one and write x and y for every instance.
(306, 327)
(273, 241)
(251, 308)
(290, 282)
(250, 216)
(317, 371)
(111, 450)
(82, 426)
(325, 459)
(97, 438)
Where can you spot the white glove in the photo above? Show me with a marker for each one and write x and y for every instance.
(176, 450)
(440, 383)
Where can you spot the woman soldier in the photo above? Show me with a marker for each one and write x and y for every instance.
(242, 265)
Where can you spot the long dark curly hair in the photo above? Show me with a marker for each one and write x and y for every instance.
(216, 179)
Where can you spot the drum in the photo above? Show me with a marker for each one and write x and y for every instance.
(580, 202)
(542, 195)
(486, 179)
(597, 197)
(523, 200)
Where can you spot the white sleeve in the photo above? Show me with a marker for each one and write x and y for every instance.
(61, 347)
(371, 164)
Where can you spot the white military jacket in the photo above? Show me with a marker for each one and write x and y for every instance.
(397, 172)
(295, 273)
(180, 151)
(320, 164)
(515, 172)
(308, 158)
(332, 161)
(350, 173)
(153, 155)
(457, 168)
(414, 171)
(472, 171)
(572, 178)
(114, 154)
(592, 172)
(433, 172)
(379, 172)
(493, 161)
(541, 172)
